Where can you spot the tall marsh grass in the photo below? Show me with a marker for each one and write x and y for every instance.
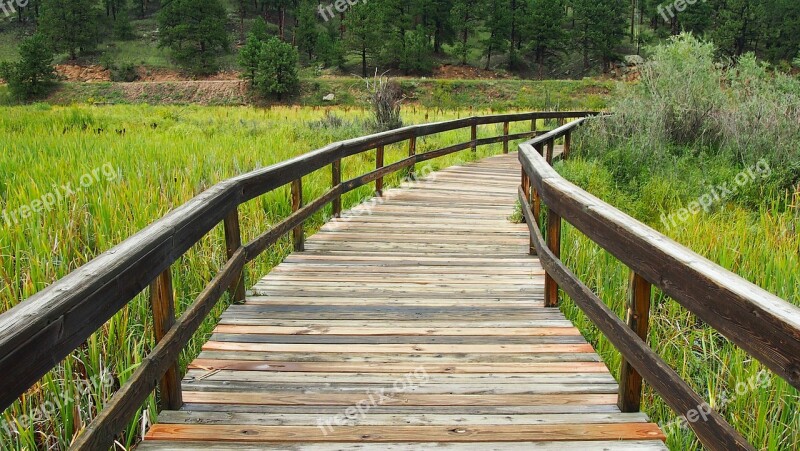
(162, 156)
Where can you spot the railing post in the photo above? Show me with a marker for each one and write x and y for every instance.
(162, 301)
(567, 145)
(412, 151)
(554, 244)
(336, 179)
(533, 125)
(550, 148)
(638, 318)
(526, 188)
(233, 241)
(297, 203)
(474, 137)
(505, 137)
(378, 165)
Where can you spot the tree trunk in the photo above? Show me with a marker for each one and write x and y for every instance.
(364, 61)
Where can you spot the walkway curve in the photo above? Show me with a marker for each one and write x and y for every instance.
(412, 323)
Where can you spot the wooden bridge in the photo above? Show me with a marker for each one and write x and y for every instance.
(424, 321)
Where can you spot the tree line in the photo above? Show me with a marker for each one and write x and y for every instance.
(411, 36)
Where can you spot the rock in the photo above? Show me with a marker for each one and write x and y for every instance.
(329, 98)
(634, 60)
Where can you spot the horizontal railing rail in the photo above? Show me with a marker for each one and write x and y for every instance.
(759, 322)
(40, 332)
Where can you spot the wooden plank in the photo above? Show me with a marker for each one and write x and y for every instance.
(399, 348)
(380, 378)
(408, 399)
(383, 367)
(467, 433)
(616, 445)
(374, 419)
(377, 331)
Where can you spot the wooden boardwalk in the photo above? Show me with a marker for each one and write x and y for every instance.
(413, 323)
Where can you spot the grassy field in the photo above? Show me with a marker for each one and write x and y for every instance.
(128, 166)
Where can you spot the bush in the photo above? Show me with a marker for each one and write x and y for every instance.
(125, 72)
(687, 104)
(34, 74)
(386, 98)
(276, 73)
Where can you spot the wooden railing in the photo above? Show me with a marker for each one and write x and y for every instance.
(40, 332)
(759, 322)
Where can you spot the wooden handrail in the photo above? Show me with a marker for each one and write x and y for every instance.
(40, 332)
(758, 321)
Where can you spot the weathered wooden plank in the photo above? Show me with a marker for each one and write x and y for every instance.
(349, 399)
(401, 367)
(616, 445)
(374, 419)
(399, 348)
(377, 331)
(466, 433)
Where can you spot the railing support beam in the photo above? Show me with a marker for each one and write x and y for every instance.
(233, 241)
(162, 301)
(336, 179)
(412, 150)
(298, 237)
(638, 319)
(505, 136)
(379, 165)
(554, 244)
(474, 135)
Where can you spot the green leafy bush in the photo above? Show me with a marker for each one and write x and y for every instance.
(34, 74)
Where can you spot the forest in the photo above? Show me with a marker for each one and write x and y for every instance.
(525, 38)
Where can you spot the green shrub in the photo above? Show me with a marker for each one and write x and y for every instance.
(34, 74)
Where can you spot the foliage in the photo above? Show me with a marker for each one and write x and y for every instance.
(70, 26)
(599, 28)
(277, 68)
(34, 74)
(686, 102)
(386, 97)
(195, 31)
(417, 53)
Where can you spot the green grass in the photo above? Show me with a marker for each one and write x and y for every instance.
(759, 242)
(164, 157)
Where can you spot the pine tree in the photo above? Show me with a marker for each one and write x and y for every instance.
(599, 29)
(277, 68)
(34, 74)
(497, 23)
(362, 31)
(545, 31)
(195, 31)
(70, 26)
(307, 33)
(465, 18)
